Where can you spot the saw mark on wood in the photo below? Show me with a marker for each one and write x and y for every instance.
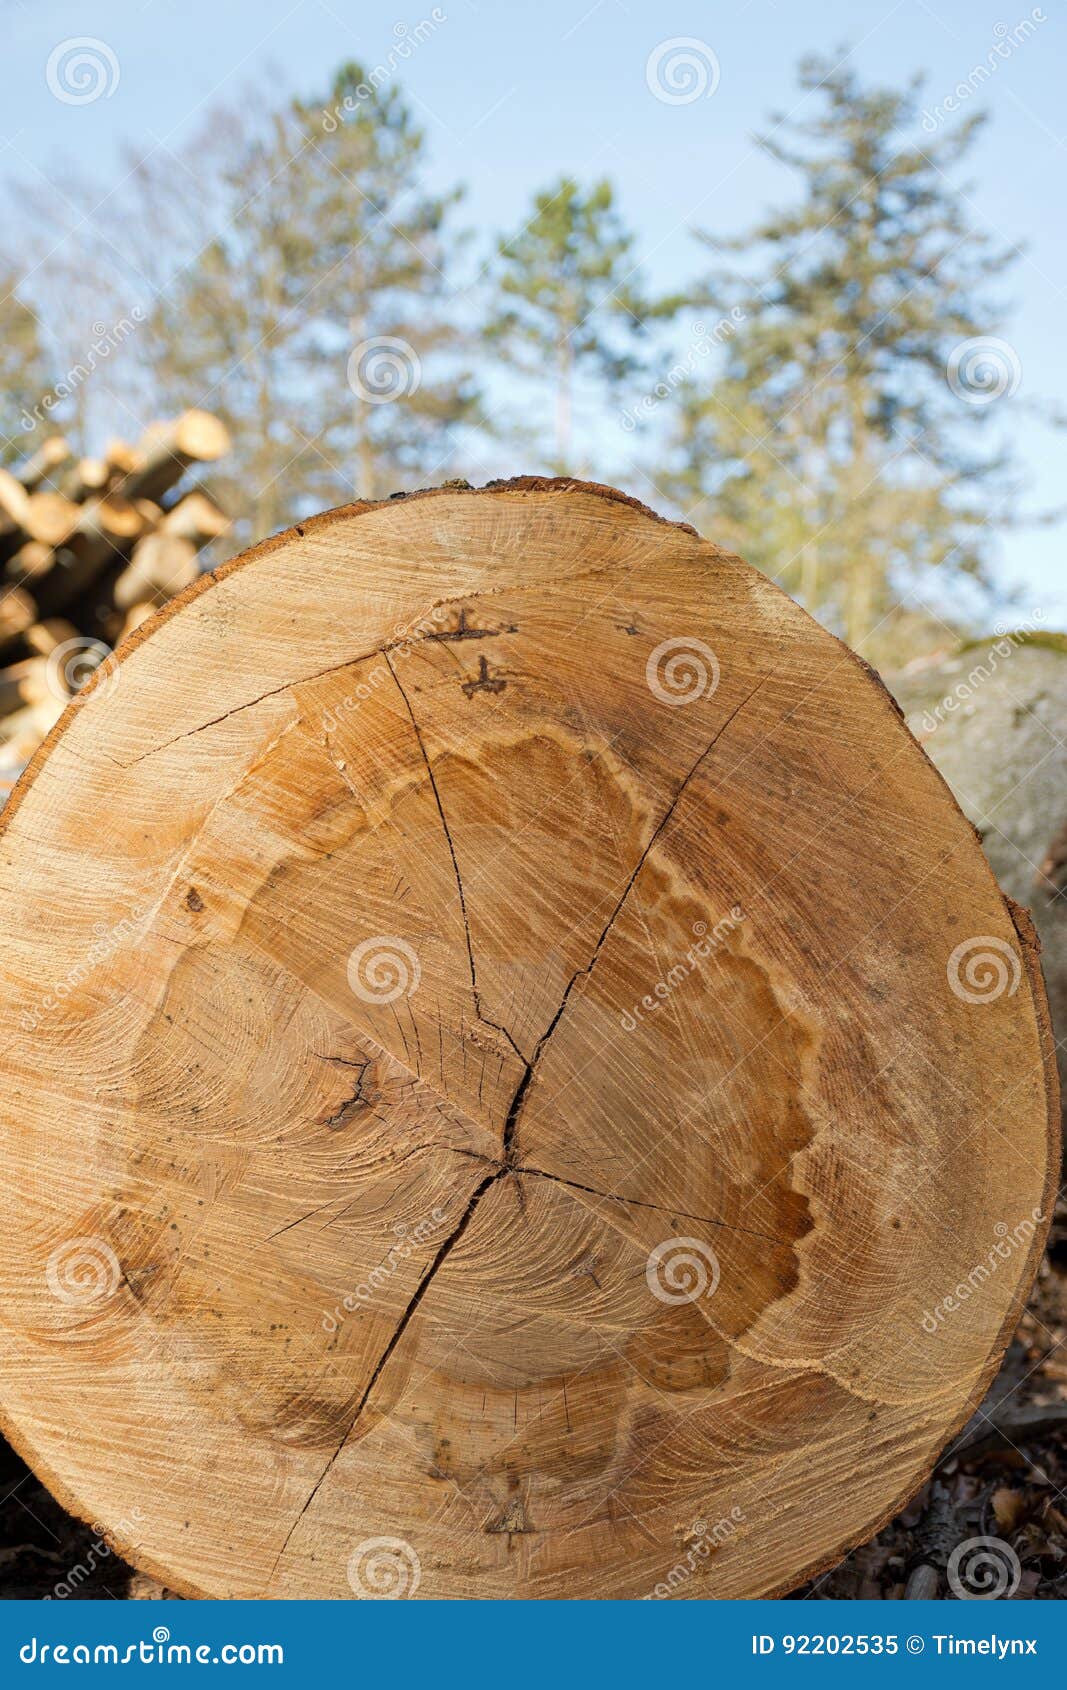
(484, 681)
(463, 631)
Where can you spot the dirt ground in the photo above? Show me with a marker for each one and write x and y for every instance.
(1004, 1477)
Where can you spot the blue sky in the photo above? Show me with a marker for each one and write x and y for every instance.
(511, 94)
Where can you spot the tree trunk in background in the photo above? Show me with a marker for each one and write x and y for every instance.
(564, 401)
(993, 718)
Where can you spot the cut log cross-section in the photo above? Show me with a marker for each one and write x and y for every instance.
(168, 449)
(511, 1051)
(14, 509)
(43, 464)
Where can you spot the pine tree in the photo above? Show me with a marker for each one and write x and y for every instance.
(834, 451)
(303, 288)
(567, 298)
(386, 250)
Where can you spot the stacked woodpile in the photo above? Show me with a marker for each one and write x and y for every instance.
(90, 547)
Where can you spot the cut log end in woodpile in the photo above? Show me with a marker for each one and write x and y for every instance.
(96, 543)
(512, 1053)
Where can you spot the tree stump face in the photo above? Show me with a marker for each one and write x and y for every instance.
(514, 1063)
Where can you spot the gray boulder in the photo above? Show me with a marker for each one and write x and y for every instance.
(993, 718)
